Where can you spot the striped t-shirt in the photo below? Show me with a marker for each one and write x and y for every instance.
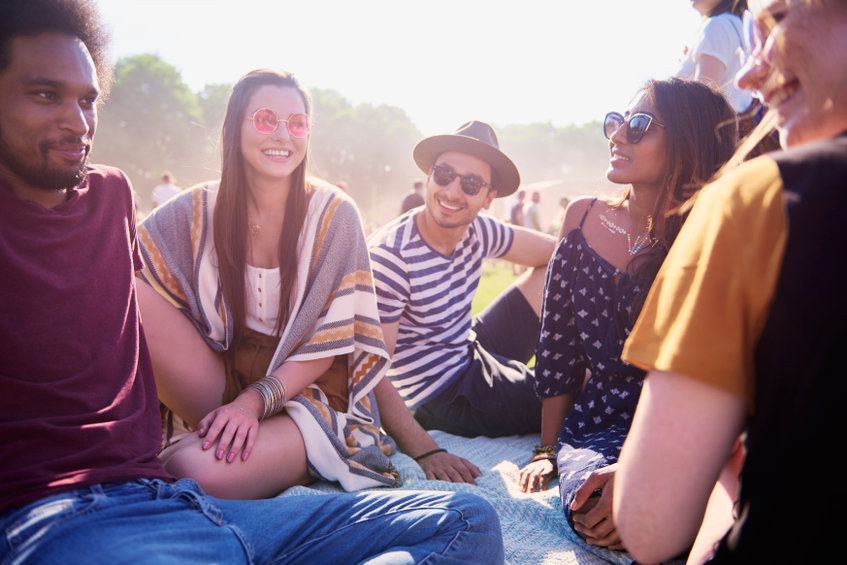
(430, 294)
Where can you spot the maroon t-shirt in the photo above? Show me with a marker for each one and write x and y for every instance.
(78, 401)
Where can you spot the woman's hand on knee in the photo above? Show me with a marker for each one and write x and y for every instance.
(235, 426)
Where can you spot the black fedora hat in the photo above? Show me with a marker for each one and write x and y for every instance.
(477, 139)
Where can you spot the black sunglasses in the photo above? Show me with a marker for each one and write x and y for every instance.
(636, 125)
(443, 174)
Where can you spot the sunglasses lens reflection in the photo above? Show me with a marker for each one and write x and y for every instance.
(443, 175)
(471, 186)
(298, 125)
(611, 124)
(637, 126)
(265, 120)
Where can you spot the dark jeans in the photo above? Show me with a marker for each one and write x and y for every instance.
(494, 396)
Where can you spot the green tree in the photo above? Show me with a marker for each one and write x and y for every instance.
(368, 147)
(152, 122)
(213, 100)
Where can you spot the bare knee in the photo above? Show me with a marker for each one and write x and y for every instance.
(189, 461)
(183, 459)
(278, 461)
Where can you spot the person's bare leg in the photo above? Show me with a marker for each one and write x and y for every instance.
(278, 461)
(190, 376)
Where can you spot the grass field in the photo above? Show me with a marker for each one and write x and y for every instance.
(496, 276)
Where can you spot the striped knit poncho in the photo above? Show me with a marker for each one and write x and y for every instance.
(334, 313)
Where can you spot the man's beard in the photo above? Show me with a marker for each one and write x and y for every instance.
(42, 175)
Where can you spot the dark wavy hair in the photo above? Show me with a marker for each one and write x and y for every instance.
(78, 18)
(701, 134)
(230, 216)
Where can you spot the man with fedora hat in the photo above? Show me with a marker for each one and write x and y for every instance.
(457, 373)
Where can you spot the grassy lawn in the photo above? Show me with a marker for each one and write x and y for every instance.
(496, 276)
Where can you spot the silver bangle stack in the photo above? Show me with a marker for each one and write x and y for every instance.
(272, 391)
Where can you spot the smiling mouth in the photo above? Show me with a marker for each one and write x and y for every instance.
(451, 207)
(71, 152)
(780, 94)
(277, 152)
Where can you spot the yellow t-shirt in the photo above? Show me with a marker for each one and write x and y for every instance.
(710, 300)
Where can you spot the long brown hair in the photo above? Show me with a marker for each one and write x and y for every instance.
(701, 134)
(230, 216)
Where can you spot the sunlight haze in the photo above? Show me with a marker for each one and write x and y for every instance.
(442, 62)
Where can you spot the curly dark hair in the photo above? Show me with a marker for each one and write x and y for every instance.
(78, 18)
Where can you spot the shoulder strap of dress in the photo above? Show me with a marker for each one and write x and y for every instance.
(582, 221)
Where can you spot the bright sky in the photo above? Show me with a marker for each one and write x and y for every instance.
(444, 62)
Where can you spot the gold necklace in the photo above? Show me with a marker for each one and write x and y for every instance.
(255, 229)
(633, 247)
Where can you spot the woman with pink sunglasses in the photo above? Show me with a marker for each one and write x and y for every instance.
(259, 310)
(675, 135)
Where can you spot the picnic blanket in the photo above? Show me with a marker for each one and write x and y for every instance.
(533, 524)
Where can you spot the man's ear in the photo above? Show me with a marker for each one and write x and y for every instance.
(492, 194)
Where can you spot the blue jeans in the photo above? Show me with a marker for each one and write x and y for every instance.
(151, 521)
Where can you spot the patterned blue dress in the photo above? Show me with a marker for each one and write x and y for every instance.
(585, 320)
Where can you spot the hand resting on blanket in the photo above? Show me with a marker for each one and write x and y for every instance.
(536, 475)
(445, 466)
(414, 441)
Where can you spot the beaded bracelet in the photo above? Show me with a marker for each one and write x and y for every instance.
(428, 453)
(544, 450)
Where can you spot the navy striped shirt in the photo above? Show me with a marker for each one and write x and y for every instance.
(430, 294)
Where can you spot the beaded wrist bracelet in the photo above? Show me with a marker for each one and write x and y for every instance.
(544, 450)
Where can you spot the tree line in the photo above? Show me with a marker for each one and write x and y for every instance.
(152, 121)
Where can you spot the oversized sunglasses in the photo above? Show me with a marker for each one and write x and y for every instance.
(266, 121)
(636, 125)
(444, 174)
